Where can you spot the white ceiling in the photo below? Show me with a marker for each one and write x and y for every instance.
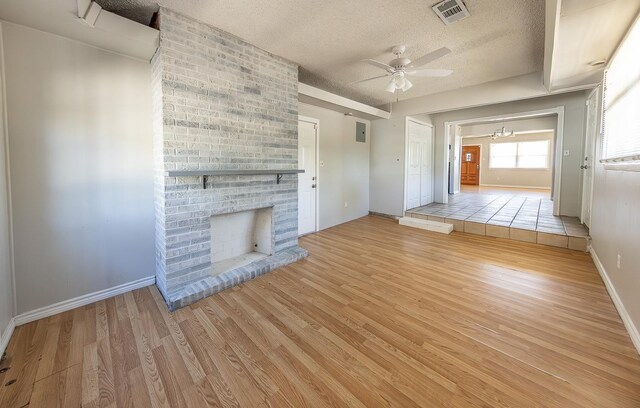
(328, 38)
(588, 30)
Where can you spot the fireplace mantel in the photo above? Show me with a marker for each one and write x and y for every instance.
(207, 173)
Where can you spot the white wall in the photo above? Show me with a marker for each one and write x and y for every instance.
(80, 143)
(387, 150)
(6, 284)
(537, 178)
(344, 178)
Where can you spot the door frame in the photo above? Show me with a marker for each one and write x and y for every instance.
(594, 138)
(557, 159)
(455, 169)
(479, 164)
(406, 158)
(316, 123)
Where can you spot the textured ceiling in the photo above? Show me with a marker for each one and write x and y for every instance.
(328, 38)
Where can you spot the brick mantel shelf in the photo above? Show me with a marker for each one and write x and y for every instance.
(206, 173)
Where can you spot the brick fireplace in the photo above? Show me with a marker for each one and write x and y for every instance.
(221, 104)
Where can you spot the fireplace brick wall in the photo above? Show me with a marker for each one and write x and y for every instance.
(219, 104)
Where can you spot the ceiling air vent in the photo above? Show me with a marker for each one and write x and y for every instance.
(451, 11)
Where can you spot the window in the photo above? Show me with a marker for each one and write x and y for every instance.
(522, 155)
(621, 122)
(503, 155)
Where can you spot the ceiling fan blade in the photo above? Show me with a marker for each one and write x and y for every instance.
(432, 56)
(369, 79)
(379, 64)
(431, 72)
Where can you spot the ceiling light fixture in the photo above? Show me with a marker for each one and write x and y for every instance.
(502, 132)
(398, 81)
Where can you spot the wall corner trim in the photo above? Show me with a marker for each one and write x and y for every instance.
(622, 311)
(6, 335)
(65, 305)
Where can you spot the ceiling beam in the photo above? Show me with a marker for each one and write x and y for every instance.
(551, 23)
(318, 97)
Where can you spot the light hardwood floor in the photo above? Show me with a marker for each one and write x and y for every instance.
(378, 315)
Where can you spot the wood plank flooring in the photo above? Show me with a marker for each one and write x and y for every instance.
(379, 315)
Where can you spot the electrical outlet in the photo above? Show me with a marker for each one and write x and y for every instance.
(619, 261)
(321, 163)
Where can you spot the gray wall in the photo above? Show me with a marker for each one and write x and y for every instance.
(573, 138)
(538, 178)
(344, 178)
(615, 229)
(80, 143)
(545, 123)
(387, 163)
(6, 284)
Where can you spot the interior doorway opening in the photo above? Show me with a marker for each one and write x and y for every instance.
(521, 152)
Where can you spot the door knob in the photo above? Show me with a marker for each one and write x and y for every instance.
(584, 167)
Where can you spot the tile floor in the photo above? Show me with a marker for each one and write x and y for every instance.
(505, 214)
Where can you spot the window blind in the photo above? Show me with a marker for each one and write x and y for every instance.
(621, 122)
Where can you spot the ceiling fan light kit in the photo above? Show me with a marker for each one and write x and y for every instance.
(398, 81)
(397, 68)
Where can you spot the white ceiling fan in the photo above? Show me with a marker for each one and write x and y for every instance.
(400, 68)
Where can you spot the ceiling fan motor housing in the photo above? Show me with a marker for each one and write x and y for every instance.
(400, 63)
(398, 50)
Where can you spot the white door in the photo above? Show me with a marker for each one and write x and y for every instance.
(307, 182)
(591, 133)
(419, 164)
(413, 172)
(426, 168)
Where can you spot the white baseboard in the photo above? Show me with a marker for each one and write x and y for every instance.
(6, 335)
(622, 311)
(65, 305)
(506, 186)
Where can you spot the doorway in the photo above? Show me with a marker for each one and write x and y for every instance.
(470, 168)
(307, 181)
(555, 154)
(419, 164)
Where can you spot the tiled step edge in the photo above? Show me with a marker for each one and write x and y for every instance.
(434, 226)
